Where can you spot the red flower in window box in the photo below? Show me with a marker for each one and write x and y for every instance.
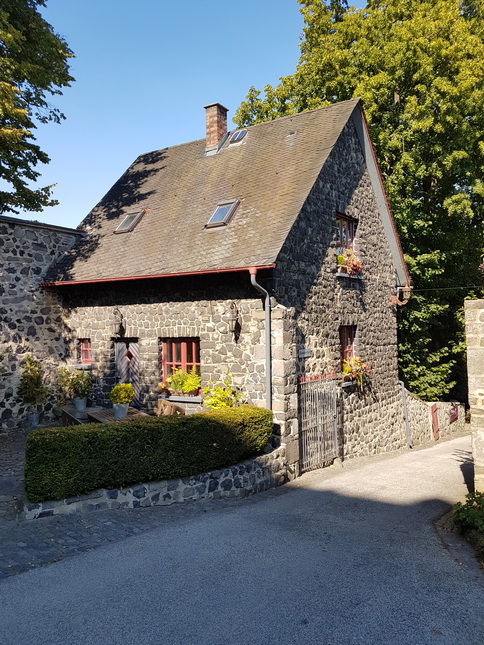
(355, 369)
(349, 262)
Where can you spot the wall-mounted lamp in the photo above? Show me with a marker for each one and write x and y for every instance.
(405, 292)
(118, 323)
(232, 318)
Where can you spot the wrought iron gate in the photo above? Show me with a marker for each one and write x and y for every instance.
(317, 423)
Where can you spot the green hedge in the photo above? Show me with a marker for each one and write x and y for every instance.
(71, 461)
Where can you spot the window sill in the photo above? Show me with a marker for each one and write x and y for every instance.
(183, 399)
(82, 366)
(348, 384)
(347, 275)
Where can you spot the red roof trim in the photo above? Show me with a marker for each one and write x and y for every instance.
(152, 277)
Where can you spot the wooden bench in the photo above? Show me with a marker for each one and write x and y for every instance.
(165, 408)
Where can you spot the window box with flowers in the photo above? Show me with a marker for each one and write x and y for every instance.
(181, 369)
(181, 384)
(349, 264)
(354, 371)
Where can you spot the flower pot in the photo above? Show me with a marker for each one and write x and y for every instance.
(120, 410)
(80, 404)
(34, 418)
(342, 268)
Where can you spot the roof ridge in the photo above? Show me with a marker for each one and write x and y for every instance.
(290, 116)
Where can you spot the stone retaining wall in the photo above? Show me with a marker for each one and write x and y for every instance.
(248, 477)
(474, 317)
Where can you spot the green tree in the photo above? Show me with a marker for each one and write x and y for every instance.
(418, 66)
(33, 65)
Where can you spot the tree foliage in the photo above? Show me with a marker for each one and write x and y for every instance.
(418, 66)
(33, 65)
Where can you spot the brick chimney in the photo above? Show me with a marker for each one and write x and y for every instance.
(216, 124)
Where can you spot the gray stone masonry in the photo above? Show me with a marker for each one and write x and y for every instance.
(248, 477)
(474, 320)
(318, 303)
(31, 319)
(153, 310)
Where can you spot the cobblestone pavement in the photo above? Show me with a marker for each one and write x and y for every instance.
(25, 545)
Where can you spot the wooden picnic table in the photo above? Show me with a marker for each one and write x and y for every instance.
(95, 415)
(105, 415)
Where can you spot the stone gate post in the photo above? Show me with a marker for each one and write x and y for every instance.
(474, 320)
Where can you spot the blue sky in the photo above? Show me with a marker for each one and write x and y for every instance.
(144, 70)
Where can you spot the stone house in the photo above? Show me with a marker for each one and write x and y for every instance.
(222, 254)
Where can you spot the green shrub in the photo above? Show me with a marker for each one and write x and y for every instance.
(64, 462)
(468, 518)
(31, 385)
(470, 515)
(222, 396)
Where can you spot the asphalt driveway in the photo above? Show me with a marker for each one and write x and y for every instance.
(338, 557)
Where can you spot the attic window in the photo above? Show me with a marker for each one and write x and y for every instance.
(238, 136)
(130, 221)
(223, 213)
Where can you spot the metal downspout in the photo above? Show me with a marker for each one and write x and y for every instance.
(267, 309)
(405, 415)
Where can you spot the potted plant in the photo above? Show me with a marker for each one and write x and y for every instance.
(181, 383)
(121, 396)
(64, 385)
(76, 385)
(81, 383)
(31, 388)
(354, 369)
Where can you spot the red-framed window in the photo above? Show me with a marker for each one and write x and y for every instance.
(347, 335)
(85, 351)
(180, 353)
(345, 232)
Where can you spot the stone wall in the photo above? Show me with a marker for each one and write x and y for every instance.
(248, 477)
(318, 302)
(474, 320)
(420, 418)
(31, 321)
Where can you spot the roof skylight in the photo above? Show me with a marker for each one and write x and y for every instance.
(130, 221)
(237, 136)
(223, 213)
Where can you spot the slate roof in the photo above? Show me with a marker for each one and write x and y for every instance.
(271, 171)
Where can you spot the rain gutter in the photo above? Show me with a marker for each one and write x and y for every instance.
(267, 309)
(155, 276)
